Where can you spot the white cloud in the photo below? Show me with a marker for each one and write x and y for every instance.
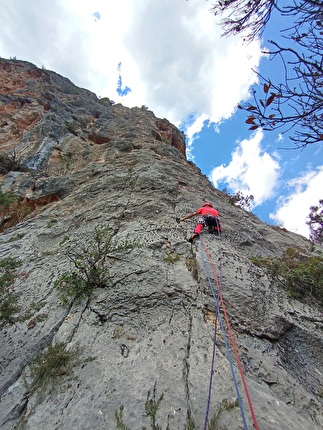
(172, 56)
(174, 61)
(185, 64)
(64, 36)
(251, 170)
(306, 191)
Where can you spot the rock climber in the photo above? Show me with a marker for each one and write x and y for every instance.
(209, 218)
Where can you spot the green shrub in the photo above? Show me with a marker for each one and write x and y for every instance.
(72, 285)
(300, 274)
(151, 408)
(119, 419)
(239, 199)
(171, 258)
(54, 363)
(6, 199)
(51, 222)
(226, 405)
(10, 162)
(91, 262)
(152, 405)
(8, 298)
(17, 236)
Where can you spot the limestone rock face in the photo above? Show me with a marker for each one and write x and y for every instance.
(87, 164)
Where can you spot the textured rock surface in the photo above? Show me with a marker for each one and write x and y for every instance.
(153, 323)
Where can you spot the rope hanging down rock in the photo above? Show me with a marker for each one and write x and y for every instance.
(218, 298)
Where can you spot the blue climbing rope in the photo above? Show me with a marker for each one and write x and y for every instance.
(211, 371)
(243, 379)
(202, 245)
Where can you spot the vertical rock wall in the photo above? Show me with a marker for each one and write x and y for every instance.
(151, 326)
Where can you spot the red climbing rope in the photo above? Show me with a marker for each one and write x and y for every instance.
(231, 336)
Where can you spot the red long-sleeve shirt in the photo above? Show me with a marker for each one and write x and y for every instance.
(207, 210)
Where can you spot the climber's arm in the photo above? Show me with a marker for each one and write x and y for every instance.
(188, 216)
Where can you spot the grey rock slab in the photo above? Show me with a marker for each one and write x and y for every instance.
(152, 325)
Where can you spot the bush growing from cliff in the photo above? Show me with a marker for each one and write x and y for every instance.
(8, 298)
(315, 223)
(152, 406)
(238, 199)
(10, 162)
(55, 362)
(6, 199)
(171, 257)
(91, 262)
(300, 274)
(119, 419)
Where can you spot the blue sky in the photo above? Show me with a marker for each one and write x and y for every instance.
(169, 56)
(285, 181)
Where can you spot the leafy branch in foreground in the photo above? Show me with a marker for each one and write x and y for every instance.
(295, 102)
(300, 274)
(91, 261)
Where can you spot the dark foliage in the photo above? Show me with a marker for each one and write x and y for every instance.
(295, 105)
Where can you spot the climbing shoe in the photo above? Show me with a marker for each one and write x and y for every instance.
(194, 236)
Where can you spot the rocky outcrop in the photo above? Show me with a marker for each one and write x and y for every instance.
(50, 113)
(149, 328)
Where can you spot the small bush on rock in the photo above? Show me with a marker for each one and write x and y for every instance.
(8, 298)
(152, 405)
(300, 274)
(239, 199)
(55, 362)
(10, 162)
(119, 419)
(6, 199)
(171, 258)
(91, 261)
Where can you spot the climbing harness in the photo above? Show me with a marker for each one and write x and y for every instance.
(211, 222)
(219, 299)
